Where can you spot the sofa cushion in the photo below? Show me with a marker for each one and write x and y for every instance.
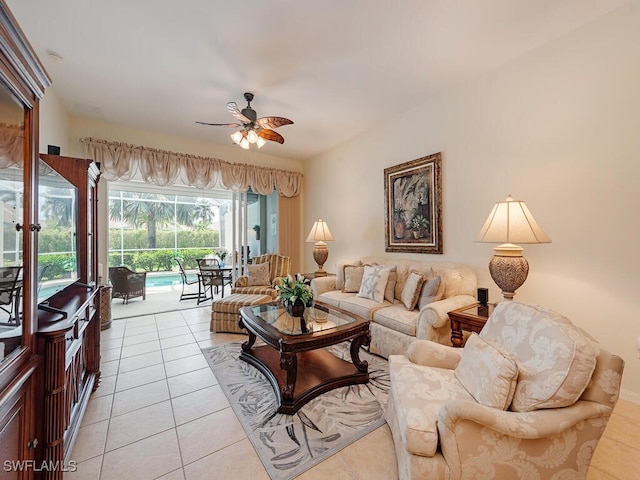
(419, 392)
(411, 290)
(555, 361)
(333, 297)
(374, 283)
(432, 291)
(258, 275)
(398, 318)
(352, 278)
(487, 374)
(362, 307)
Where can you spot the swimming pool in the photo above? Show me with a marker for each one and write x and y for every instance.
(164, 279)
(154, 280)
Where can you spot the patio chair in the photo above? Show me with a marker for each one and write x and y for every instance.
(127, 283)
(186, 282)
(211, 276)
(10, 287)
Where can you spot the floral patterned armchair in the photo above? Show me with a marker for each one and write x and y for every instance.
(528, 398)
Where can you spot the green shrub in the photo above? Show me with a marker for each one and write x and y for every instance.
(158, 260)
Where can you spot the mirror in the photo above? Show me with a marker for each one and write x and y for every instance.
(11, 214)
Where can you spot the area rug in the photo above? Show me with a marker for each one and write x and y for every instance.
(291, 444)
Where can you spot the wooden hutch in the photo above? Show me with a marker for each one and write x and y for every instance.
(49, 358)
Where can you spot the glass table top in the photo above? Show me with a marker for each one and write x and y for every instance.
(316, 319)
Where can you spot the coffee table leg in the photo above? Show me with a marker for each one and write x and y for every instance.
(246, 346)
(356, 343)
(289, 363)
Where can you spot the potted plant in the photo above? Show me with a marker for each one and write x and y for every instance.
(418, 225)
(221, 253)
(398, 222)
(295, 294)
(256, 228)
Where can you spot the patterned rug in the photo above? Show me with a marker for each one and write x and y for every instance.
(291, 444)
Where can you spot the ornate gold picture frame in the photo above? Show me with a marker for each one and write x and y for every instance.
(413, 210)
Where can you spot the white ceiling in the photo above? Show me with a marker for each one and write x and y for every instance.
(335, 67)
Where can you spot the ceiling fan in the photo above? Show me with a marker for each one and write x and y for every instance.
(252, 129)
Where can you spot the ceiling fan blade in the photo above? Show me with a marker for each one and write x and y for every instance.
(220, 124)
(271, 135)
(273, 122)
(233, 109)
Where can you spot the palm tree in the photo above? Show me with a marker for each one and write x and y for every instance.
(58, 206)
(141, 209)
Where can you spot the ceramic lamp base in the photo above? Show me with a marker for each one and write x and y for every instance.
(509, 269)
(320, 255)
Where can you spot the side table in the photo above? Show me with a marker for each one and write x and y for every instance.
(470, 318)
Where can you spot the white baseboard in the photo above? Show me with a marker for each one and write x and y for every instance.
(630, 396)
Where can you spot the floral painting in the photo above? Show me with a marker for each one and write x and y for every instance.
(413, 210)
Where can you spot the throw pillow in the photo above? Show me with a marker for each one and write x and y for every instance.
(340, 272)
(352, 278)
(390, 290)
(258, 274)
(432, 291)
(374, 281)
(487, 374)
(411, 290)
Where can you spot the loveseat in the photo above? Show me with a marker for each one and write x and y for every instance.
(527, 398)
(393, 325)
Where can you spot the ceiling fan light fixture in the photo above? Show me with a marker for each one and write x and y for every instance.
(252, 136)
(252, 130)
(236, 137)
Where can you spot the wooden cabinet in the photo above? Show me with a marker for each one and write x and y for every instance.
(70, 371)
(22, 85)
(69, 330)
(51, 362)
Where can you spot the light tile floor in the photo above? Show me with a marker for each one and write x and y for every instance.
(160, 414)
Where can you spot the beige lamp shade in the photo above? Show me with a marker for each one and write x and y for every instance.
(510, 222)
(320, 234)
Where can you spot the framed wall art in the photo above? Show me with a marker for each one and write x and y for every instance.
(413, 206)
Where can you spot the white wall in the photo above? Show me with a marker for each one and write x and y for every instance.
(54, 124)
(558, 128)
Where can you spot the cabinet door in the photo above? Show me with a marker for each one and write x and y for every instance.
(17, 461)
(12, 274)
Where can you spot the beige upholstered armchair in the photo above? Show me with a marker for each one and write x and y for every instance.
(527, 398)
(263, 275)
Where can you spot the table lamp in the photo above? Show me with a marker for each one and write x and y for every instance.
(320, 234)
(510, 222)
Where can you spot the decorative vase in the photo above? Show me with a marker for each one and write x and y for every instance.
(295, 310)
(399, 229)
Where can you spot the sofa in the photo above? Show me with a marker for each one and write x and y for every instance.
(527, 398)
(394, 326)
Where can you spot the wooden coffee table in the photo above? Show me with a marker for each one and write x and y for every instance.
(294, 359)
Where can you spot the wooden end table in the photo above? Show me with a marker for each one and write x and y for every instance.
(470, 318)
(294, 359)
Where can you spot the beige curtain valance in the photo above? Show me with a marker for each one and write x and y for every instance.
(11, 145)
(121, 161)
